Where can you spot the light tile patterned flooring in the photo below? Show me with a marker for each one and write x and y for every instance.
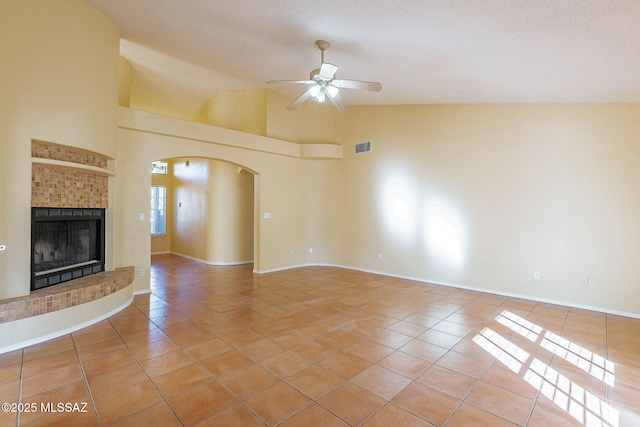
(219, 346)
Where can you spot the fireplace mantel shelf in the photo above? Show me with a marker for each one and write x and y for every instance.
(72, 165)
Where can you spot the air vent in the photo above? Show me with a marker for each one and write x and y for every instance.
(363, 147)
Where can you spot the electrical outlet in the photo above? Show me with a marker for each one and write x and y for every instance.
(536, 275)
(141, 272)
(290, 251)
(584, 281)
(310, 250)
(379, 255)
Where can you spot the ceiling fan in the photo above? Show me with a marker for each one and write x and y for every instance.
(325, 86)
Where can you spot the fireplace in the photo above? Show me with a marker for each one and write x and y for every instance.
(66, 243)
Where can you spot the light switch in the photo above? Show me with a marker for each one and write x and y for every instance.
(266, 215)
(141, 216)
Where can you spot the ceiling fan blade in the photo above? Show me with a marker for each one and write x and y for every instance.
(339, 102)
(357, 84)
(327, 71)
(300, 100)
(295, 82)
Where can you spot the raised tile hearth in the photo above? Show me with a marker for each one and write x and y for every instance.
(69, 294)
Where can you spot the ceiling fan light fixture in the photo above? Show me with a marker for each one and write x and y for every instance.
(315, 91)
(332, 90)
(323, 82)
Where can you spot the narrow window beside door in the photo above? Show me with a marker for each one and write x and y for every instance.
(158, 209)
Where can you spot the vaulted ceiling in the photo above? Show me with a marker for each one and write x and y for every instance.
(423, 52)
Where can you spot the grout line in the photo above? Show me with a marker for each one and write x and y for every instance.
(86, 381)
(143, 370)
(20, 385)
(606, 356)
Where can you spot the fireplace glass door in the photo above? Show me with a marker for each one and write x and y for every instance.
(63, 243)
(66, 244)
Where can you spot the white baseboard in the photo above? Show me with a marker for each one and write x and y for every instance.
(291, 267)
(439, 283)
(211, 262)
(458, 286)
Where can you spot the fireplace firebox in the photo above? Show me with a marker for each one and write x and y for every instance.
(66, 244)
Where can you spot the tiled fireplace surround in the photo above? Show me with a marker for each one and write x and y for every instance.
(57, 182)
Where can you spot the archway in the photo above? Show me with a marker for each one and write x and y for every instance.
(210, 211)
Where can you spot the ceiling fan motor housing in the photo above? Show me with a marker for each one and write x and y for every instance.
(323, 44)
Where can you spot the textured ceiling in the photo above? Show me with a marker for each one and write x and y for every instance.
(423, 52)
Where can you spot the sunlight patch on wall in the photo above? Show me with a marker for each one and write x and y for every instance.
(398, 204)
(412, 218)
(444, 235)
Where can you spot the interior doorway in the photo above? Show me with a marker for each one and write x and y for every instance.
(208, 211)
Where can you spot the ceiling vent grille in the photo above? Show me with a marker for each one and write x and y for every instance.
(363, 147)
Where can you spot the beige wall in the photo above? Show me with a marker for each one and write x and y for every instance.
(324, 197)
(59, 83)
(263, 112)
(190, 187)
(308, 123)
(483, 196)
(238, 110)
(230, 205)
(124, 82)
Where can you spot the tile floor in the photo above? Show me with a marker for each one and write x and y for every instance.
(218, 346)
